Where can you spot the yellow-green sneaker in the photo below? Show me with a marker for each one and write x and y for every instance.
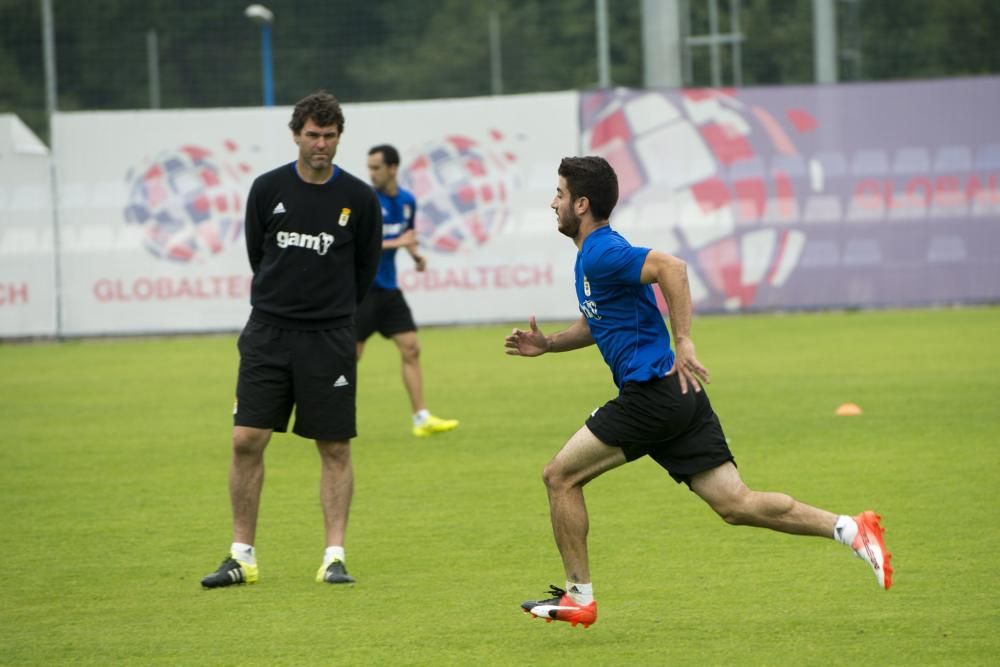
(231, 572)
(334, 572)
(433, 425)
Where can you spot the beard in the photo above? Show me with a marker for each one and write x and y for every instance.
(569, 225)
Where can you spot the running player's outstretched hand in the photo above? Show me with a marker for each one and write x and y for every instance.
(689, 370)
(530, 343)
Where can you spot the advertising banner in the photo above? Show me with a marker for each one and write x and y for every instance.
(812, 196)
(852, 195)
(152, 207)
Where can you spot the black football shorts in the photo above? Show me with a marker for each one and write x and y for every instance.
(385, 311)
(679, 431)
(314, 371)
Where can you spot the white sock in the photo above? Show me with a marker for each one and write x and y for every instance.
(845, 530)
(421, 416)
(582, 594)
(243, 552)
(333, 553)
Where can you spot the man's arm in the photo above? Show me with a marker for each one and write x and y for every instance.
(670, 273)
(404, 240)
(419, 261)
(253, 228)
(368, 247)
(533, 342)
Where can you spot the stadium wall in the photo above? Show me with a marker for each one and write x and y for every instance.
(866, 195)
(27, 260)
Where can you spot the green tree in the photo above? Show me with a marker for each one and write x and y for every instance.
(779, 42)
(22, 80)
(209, 53)
(928, 38)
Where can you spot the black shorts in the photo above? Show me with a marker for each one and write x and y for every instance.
(679, 431)
(316, 371)
(385, 311)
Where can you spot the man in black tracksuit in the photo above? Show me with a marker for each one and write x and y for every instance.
(314, 239)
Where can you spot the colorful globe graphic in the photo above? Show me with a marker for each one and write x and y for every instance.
(723, 172)
(461, 186)
(189, 201)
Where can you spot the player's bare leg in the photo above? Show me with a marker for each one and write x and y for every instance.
(424, 423)
(409, 352)
(580, 460)
(724, 491)
(336, 488)
(246, 477)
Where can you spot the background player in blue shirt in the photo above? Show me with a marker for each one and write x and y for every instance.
(384, 309)
(661, 409)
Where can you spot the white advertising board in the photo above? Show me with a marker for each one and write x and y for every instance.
(151, 208)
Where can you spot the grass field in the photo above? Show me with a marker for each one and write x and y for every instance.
(113, 473)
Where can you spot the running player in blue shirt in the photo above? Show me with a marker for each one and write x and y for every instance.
(384, 309)
(661, 410)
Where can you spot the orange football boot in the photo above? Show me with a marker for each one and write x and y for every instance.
(561, 607)
(870, 547)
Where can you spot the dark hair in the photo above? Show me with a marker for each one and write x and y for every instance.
(591, 177)
(321, 107)
(389, 154)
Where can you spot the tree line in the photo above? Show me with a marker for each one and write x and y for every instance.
(209, 55)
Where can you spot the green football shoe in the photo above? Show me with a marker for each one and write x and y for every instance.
(334, 572)
(433, 425)
(230, 573)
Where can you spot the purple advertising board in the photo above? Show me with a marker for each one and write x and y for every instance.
(852, 195)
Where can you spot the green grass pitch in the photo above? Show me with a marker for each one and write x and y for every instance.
(113, 498)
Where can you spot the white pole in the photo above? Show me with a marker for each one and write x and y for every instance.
(49, 57)
(496, 55)
(153, 64)
(603, 55)
(737, 32)
(825, 41)
(662, 47)
(713, 47)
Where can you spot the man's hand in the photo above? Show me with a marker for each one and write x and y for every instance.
(687, 366)
(419, 261)
(530, 343)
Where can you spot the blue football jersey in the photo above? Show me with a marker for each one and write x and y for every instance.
(398, 214)
(622, 313)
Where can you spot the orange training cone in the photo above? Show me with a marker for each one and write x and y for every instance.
(848, 410)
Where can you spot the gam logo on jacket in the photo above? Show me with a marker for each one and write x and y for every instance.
(319, 243)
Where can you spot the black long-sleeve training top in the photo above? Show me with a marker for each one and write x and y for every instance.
(313, 249)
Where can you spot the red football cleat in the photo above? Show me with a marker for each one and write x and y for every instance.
(870, 547)
(561, 607)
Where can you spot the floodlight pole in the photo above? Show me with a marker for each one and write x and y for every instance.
(266, 68)
(264, 17)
